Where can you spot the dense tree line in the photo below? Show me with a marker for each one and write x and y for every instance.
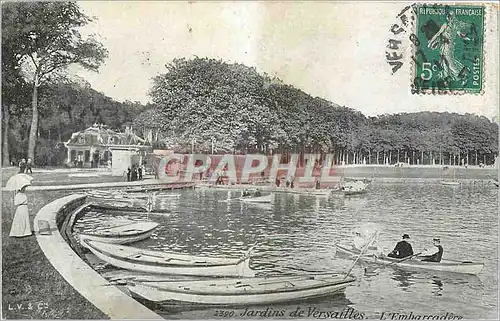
(207, 105)
(40, 40)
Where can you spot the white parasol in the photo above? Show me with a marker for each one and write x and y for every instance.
(18, 181)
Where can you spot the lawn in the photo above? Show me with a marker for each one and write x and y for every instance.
(32, 288)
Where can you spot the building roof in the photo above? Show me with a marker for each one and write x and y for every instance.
(100, 135)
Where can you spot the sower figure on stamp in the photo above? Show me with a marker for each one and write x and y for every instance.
(403, 249)
(446, 39)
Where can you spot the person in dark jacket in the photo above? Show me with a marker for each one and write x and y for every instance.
(128, 174)
(139, 172)
(22, 166)
(436, 257)
(403, 249)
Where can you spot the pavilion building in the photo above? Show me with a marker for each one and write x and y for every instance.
(99, 146)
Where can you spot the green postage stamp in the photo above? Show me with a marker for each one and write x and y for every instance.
(449, 55)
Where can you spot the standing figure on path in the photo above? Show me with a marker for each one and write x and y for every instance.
(139, 171)
(128, 174)
(29, 166)
(21, 223)
(134, 173)
(22, 165)
(318, 184)
(277, 182)
(403, 249)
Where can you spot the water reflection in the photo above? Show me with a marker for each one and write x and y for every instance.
(437, 286)
(404, 278)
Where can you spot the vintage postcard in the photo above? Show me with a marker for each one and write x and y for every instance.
(212, 160)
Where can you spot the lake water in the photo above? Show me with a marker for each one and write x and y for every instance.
(299, 232)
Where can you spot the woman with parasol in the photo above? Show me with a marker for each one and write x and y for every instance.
(21, 223)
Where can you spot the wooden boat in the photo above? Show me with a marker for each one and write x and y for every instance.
(142, 260)
(450, 183)
(355, 188)
(122, 234)
(465, 267)
(258, 199)
(241, 292)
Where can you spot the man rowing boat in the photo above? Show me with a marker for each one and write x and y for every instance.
(403, 249)
(436, 256)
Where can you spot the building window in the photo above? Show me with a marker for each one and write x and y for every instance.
(87, 156)
(81, 140)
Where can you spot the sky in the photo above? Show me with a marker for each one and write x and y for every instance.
(334, 50)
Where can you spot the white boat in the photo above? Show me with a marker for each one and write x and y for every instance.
(450, 183)
(241, 292)
(141, 260)
(453, 182)
(465, 267)
(122, 234)
(355, 187)
(258, 199)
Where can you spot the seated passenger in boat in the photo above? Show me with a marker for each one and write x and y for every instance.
(437, 255)
(257, 193)
(403, 249)
(245, 193)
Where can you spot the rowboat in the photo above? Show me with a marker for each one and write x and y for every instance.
(141, 260)
(258, 199)
(450, 183)
(355, 188)
(304, 191)
(122, 234)
(465, 267)
(241, 292)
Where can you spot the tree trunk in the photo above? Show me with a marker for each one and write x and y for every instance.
(34, 123)
(369, 157)
(5, 143)
(422, 158)
(390, 158)
(476, 158)
(377, 158)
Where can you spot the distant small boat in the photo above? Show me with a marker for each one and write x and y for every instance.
(450, 183)
(355, 188)
(141, 260)
(258, 199)
(123, 234)
(241, 292)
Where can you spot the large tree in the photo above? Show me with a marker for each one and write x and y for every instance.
(45, 40)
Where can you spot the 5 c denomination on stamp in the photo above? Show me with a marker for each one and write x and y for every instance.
(448, 56)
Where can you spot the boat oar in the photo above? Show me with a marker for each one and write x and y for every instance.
(404, 259)
(359, 256)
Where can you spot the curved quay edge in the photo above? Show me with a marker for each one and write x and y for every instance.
(92, 286)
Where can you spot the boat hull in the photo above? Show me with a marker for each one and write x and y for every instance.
(450, 183)
(443, 266)
(285, 292)
(240, 267)
(116, 240)
(260, 199)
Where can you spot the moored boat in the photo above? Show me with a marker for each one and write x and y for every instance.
(245, 291)
(355, 188)
(141, 260)
(258, 199)
(122, 234)
(450, 183)
(465, 267)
